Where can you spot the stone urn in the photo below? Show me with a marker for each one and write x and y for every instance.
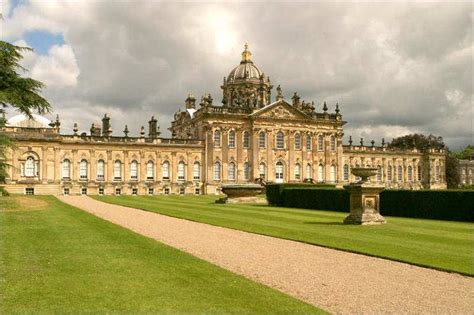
(242, 193)
(364, 198)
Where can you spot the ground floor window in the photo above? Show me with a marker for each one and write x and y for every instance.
(181, 190)
(134, 191)
(66, 191)
(101, 191)
(83, 191)
(166, 191)
(29, 191)
(118, 191)
(150, 191)
(197, 191)
(279, 172)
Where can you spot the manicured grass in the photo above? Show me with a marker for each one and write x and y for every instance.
(437, 244)
(58, 259)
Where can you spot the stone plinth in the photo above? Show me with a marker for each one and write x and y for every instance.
(364, 204)
(245, 193)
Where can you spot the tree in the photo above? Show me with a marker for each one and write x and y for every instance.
(17, 92)
(422, 143)
(465, 154)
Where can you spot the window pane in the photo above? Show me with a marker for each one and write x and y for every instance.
(246, 139)
(181, 171)
(231, 139)
(217, 171)
(196, 171)
(166, 170)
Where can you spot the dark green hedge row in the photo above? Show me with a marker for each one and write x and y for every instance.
(274, 191)
(457, 205)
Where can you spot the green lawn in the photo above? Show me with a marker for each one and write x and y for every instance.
(58, 259)
(437, 244)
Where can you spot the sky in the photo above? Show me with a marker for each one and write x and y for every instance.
(395, 68)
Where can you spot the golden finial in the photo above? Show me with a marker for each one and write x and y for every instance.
(246, 54)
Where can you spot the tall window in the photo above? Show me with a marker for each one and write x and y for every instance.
(231, 171)
(232, 139)
(30, 169)
(400, 173)
(217, 138)
(262, 140)
(437, 171)
(150, 170)
(134, 170)
(100, 170)
(181, 171)
(279, 171)
(66, 171)
(410, 173)
(246, 139)
(297, 171)
(117, 170)
(419, 172)
(379, 173)
(196, 171)
(83, 169)
(262, 170)
(165, 170)
(297, 141)
(217, 170)
(320, 173)
(246, 171)
(320, 143)
(346, 172)
(332, 173)
(333, 143)
(280, 140)
(389, 173)
(309, 145)
(309, 171)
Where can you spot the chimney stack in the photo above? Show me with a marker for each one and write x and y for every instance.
(153, 129)
(106, 128)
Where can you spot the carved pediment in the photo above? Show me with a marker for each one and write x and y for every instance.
(280, 110)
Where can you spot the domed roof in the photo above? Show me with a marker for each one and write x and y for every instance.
(246, 70)
(22, 120)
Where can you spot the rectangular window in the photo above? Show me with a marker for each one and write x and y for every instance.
(101, 191)
(83, 191)
(309, 145)
(118, 191)
(149, 171)
(66, 192)
(181, 171)
(166, 171)
(166, 191)
(134, 170)
(197, 191)
(83, 170)
(181, 190)
(196, 171)
(150, 191)
(320, 143)
(100, 170)
(29, 191)
(134, 191)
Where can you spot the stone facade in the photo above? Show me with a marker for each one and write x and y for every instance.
(245, 138)
(466, 172)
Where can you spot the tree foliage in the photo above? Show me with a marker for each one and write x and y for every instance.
(422, 143)
(18, 92)
(465, 154)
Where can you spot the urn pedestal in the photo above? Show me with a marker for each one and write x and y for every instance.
(242, 193)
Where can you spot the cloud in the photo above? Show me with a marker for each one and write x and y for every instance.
(394, 68)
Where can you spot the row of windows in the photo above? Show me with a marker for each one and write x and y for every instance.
(118, 165)
(118, 191)
(279, 141)
(394, 173)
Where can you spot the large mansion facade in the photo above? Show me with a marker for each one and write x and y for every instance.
(250, 135)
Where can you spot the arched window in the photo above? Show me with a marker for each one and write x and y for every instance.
(262, 170)
(297, 141)
(297, 171)
(232, 139)
(410, 173)
(309, 171)
(150, 170)
(280, 140)
(400, 173)
(196, 171)
(100, 170)
(83, 170)
(30, 167)
(134, 170)
(217, 170)
(117, 170)
(246, 139)
(320, 173)
(246, 171)
(379, 173)
(419, 172)
(181, 171)
(389, 173)
(262, 141)
(309, 141)
(332, 173)
(320, 143)
(66, 169)
(279, 172)
(333, 143)
(217, 138)
(165, 170)
(231, 171)
(346, 172)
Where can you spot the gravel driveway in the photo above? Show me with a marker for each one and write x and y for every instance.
(337, 281)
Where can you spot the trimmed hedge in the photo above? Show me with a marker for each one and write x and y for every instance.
(451, 205)
(274, 191)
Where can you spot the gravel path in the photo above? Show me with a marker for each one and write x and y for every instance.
(336, 281)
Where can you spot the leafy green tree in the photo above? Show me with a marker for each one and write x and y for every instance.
(423, 143)
(465, 154)
(18, 92)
